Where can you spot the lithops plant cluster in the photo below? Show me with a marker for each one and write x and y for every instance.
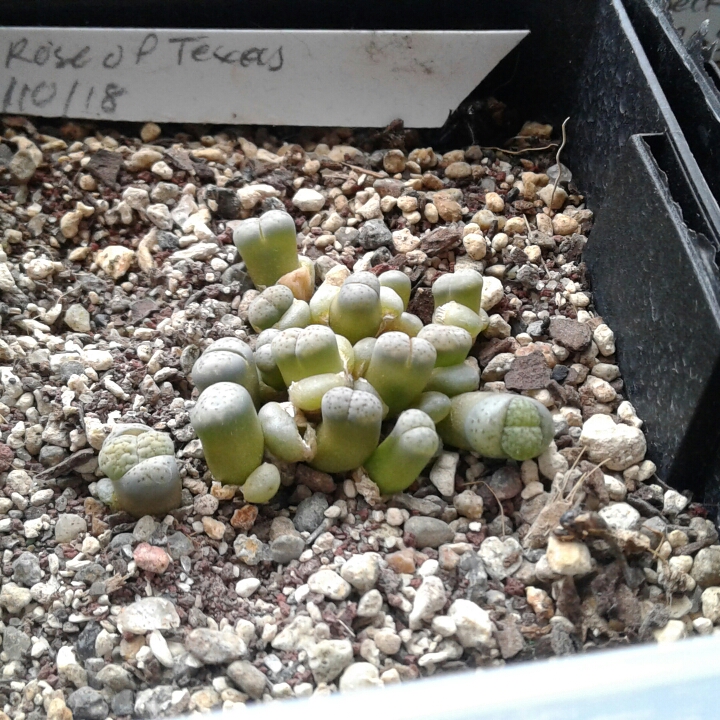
(344, 378)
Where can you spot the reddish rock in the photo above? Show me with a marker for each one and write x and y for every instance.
(488, 350)
(314, 479)
(529, 372)
(150, 558)
(439, 241)
(244, 518)
(422, 305)
(6, 457)
(570, 334)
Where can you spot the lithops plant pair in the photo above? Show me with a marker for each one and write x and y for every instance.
(140, 464)
(343, 377)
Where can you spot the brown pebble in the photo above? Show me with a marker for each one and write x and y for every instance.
(570, 334)
(244, 518)
(316, 480)
(528, 373)
(402, 561)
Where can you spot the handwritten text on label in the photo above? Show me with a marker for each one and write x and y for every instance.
(245, 76)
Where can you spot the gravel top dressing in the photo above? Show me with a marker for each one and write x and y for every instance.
(118, 271)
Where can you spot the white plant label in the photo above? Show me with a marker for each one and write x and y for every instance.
(276, 77)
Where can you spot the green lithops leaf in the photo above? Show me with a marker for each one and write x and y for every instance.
(268, 246)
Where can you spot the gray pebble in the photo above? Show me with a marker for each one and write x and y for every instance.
(115, 678)
(310, 513)
(347, 236)
(123, 703)
(85, 646)
(188, 357)
(179, 544)
(87, 704)
(429, 532)
(286, 548)
(68, 527)
(706, 568)
(16, 644)
(69, 368)
(120, 540)
(214, 646)
(374, 234)
(26, 570)
(144, 528)
(247, 678)
(90, 574)
(51, 455)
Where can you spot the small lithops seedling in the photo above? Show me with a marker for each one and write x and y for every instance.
(356, 311)
(267, 367)
(400, 458)
(451, 343)
(227, 360)
(407, 322)
(225, 420)
(323, 296)
(391, 305)
(399, 369)
(280, 426)
(458, 315)
(498, 425)
(349, 431)
(262, 484)
(435, 404)
(268, 246)
(307, 394)
(399, 282)
(276, 307)
(302, 353)
(141, 464)
(455, 379)
(464, 287)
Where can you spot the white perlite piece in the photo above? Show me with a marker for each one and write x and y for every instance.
(245, 588)
(604, 339)
(362, 571)
(429, 599)
(328, 583)
(146, 615)
(710, 600)
(672, 632)
(442, 475)
(115, 260)
(620, 516)
(328, 658)
(358, 676)
(568, 558)
(308, 200)
(474, 629)
(619, 445)
(492, 292)
(502, 558)
(674, 503)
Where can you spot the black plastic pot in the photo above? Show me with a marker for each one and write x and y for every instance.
(652, 254)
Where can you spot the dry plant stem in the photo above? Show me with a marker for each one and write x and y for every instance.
(557, 161)
(521, 152)
(497, 500)
(359, 169)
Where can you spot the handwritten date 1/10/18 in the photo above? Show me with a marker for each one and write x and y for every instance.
(60, 98)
